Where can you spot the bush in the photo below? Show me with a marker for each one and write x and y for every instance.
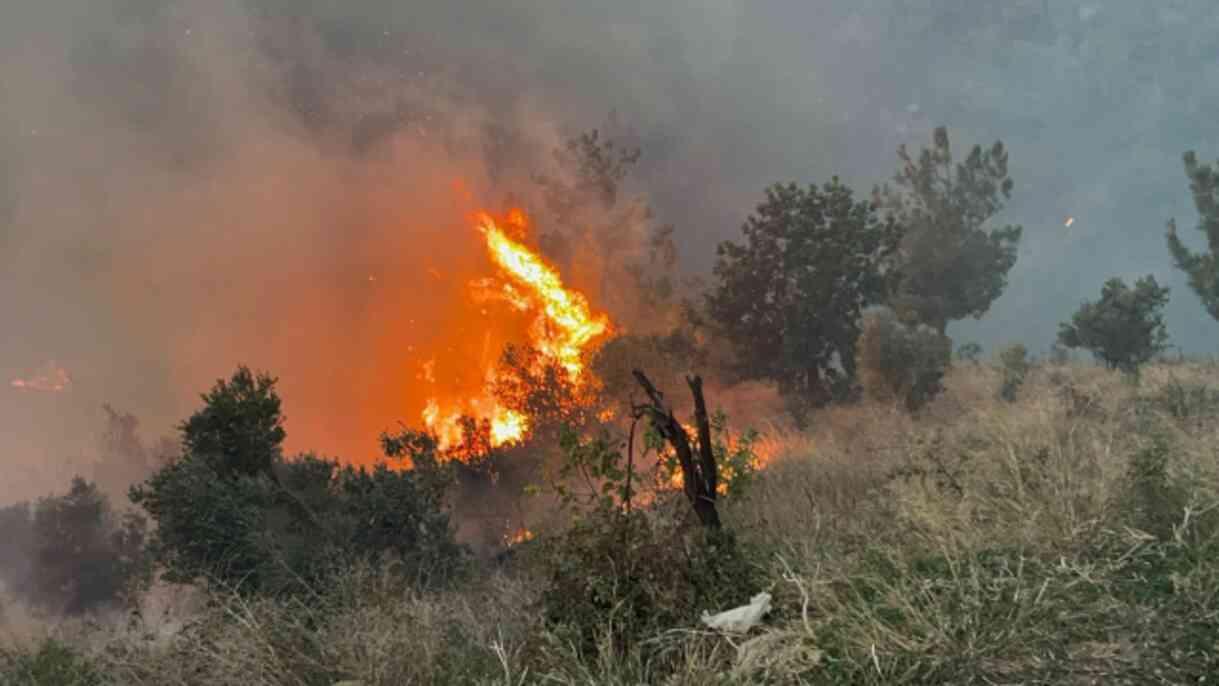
(1185, 401)
(71, 554)
(1125, 328)
(52, 664)
(1154, 502)
(621, 574)
(622, 577)
(1014, 366)
(901, 363)
(241, 514)
(286, 535)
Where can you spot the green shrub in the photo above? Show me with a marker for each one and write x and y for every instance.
(244, 516)
(1154, 502)
(621, 574)
(900, 363)
(624, 577)
(52, 664)
(1014, 364)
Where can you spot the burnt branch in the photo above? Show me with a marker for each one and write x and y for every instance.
(699, 478)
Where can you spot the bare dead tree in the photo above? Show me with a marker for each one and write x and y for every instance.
(699, 474)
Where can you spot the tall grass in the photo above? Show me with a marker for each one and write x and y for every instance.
(1066, 537)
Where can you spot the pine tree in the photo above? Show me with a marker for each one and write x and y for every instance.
(1202, 268)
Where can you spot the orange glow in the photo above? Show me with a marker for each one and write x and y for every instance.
(764, 451)
(50, 378)
(519, 536)
(563, 327)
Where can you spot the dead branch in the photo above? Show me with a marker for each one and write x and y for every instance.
(699, 478)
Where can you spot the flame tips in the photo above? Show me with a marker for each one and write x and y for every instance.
(563, 327)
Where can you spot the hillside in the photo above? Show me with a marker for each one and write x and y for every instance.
(1067, 537)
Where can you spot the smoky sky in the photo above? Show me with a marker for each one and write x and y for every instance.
(185, 186)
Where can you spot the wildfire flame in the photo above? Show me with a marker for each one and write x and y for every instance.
(562, 329)
(51, 378)
(517, 537)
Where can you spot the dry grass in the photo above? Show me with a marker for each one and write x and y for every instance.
(981, 541)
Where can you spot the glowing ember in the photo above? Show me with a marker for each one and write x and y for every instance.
(520, 536)
(562, 329)
(49, 379)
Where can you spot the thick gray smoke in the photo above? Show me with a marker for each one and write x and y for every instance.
(185, 186)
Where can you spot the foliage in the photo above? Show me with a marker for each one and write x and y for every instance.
(1201, 268)
(540, 388)
(72, 554)
(1125, 328)
(969, 352)
(1014, 367)
(790, 298)
(950, 265)
(239, 430)
(736, 461)
(590, 217)
(901, 363)
(666, 357)
(284, 530)
(52, 664)
(1155, 502)
(623, 577)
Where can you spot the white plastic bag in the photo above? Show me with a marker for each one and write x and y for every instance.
(740, 619)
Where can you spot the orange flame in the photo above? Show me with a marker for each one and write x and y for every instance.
(562, 329)
(519, 536)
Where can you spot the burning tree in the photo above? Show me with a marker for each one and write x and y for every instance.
(562, 330)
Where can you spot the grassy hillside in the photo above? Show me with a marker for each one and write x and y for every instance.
(1066, 537)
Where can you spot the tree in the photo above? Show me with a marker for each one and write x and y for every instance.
(81, 555)
(239, 430)
(951, 266)
(790, 299)
(15, 545)
(592, 220)
(1201, 268)
(1125, 328)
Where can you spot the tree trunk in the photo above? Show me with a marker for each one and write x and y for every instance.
(699, 476)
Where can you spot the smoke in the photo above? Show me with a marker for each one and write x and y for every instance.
(187, 186)
(192, 188)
